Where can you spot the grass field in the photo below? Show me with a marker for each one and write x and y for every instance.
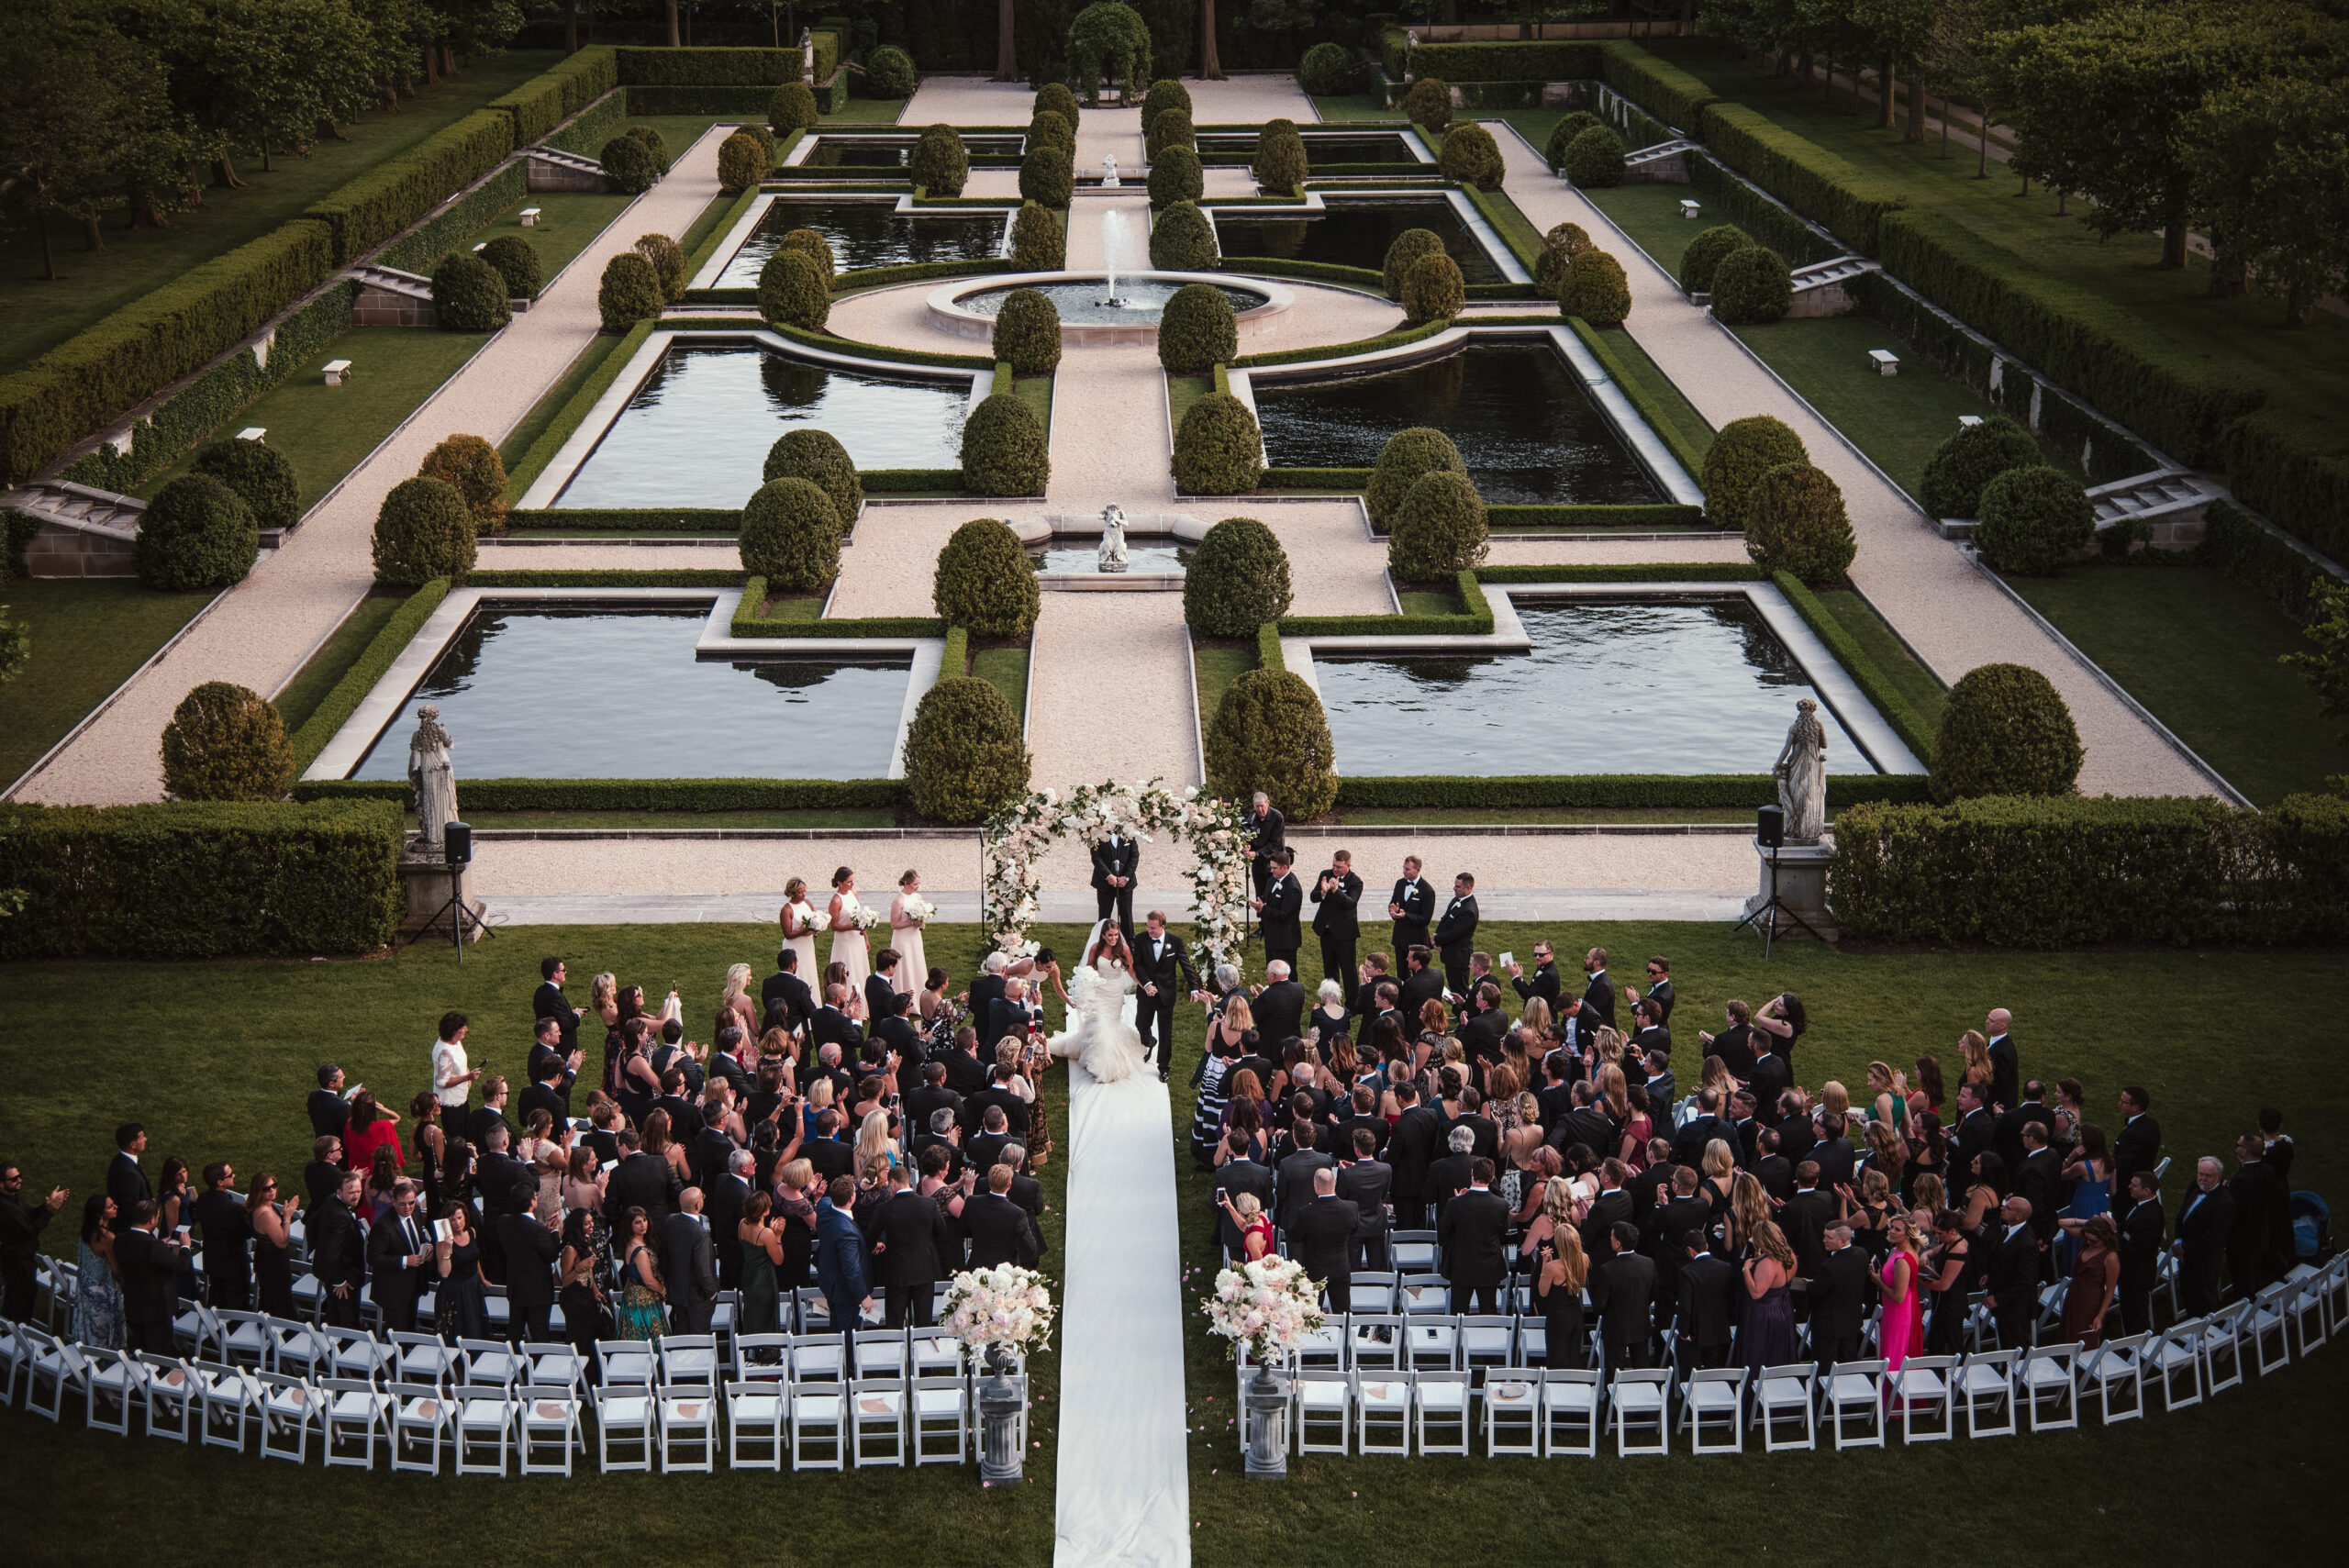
(1005, 669)
(88, 637)
(1214, 666)
(1649, 211)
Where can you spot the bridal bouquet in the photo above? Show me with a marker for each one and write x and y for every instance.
(1003, 1305)
(1270, 1306)
(864, 919)
(918, 909)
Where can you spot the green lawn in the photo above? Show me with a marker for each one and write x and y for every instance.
(1649, 211)
(1214, 666)
(1005, 669)
(37, 316)
(341, 650)
(1182, 391)
(569, 222)
(869, 111)
(1879, 642)
(89, 635)
(2201, 653)
(1348, 106)
(1036, 391)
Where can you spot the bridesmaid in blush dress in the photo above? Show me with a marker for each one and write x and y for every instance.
(905, 932)
(849, 946)
(798, 918)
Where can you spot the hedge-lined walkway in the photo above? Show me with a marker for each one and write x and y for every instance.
(261, 631)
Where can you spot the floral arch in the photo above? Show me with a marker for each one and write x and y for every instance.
(1019, 834)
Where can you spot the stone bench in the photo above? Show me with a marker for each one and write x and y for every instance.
(1884, 362)
(337, 372)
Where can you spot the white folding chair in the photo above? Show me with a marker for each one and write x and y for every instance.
(1920, 1388)
(689, 1358)
(2221, 1347)
(111, 1387)
(291, 1409)
(878, 1419)
(2117, 1366)
(2268, 1322)
(490, 1364)
(1783, 1394)
(2333, 1282)
(1374, 1343)
(1383, 1413)
(818, 1421)
(1325, 1410)
(1715, 1396)
(1984, 1389)
(357, 1354)
(879, 1353)
(298, 1350)
(1433, 1343)
(422, 1417)
(194, 1328)
(2047, 1387)
(1371, 1290)
(244, 1338)
(934, 1352)
(817, 1358)
(55, 1361)
(625, 1363)
(172, 1395)
(1854, 1389)
(1640, 1396)
(754, 1421)
(1324, 1347)
(16, 1355)
(228, 1399)
(625, 1420)
(941, 1420)
(484, 1423)
(1440, 1411)
(1411, 1251)
(1487, 1339)
(423, 1358)
(1512, 1398)
(688, 1427)
(547, 1426)
(759, 1357)
(1571, 1403)
(2304, 1308)
(2173, 1356)
(355, 1410)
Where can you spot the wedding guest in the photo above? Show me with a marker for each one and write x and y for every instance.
(149, 1262)
(338, 1252)
(126, 1183)
(643, 1288)
(2140, 1230)
(2096, 1280)
(846, 923)
(452, 1080)
(1623, 1294)
(840, 1256)
(20, 1227)
(97, 1293)
(1411, 906)
(272, 1246)
(399, 1248)
(227, 1227)
(579, 1286)
(691, 1270)
(328, 1111)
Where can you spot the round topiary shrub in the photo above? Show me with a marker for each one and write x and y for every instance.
(473, 466)
(818, 249)
(1005, 450)
(1047, 176)
(518, 264)
(1562, 135)
(1038, 243)
(1028, 333)
(793, 107)
(1745, 451)
(1218, 450)
(1594, 159)
(2005, 730)
(984, 581)
(227, 742)
(791, 536)
(1432, 290)
(741, 163)
(631, 292)
(889, 74)
(668, 259)
(941, 163)
(1049, 129)
(469, 294)
(792, 291)
(2035, 521)
(1472, 157)
(1559, 248)
(1962, 465)
(1238, 580)
(259, 474)
(1056, 97)
(198, 533)
(1596, 289)
(1402, 462)
(1439, 529)
(423, 530)
(1280, 163)
(766, 140)
(965, 758)
(1175, 176)
(1182, 239)
(817, 457)
(1269, 734)
(1751, 287)
(1197, 330)
(1166, 93)
(1794, 522)
(629, 165)
(653, 144)
(1403, 252)
(1325, 71)
(1171, 128)
(1709, 251)
(1428, 102)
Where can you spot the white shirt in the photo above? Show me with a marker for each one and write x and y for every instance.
(448, 1062)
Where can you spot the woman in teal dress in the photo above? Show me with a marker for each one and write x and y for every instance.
(641, 1289)
(761, 1254)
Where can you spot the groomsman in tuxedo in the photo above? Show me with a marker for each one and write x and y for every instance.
(397, 1248)
(1270, 829)
(1278, 913)
(1412, 907)
(1544, 983)
(530, 1253)
(2142, 1225)
(126, 1183)
(1337, 894)
(149, 1262)
(2139, 1146)
(1160, 960)
(1116, 859)
(1456, 934)
(1598, 994)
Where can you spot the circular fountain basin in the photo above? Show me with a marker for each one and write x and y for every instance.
(968, 309)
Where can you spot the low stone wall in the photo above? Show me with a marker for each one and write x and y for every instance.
(387, 307)
(60, 552)
(548, 177)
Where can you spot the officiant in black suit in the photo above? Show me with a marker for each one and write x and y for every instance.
(1456, 934)
(1337, 895)
(1269, 832)
(1278, 913)
(1411, 906)
(1116, 859)
(1160, 962)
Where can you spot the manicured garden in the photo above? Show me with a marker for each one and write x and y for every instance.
(89, 635)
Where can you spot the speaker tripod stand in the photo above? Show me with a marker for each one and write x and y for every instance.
(1766, 918)
(457, 854)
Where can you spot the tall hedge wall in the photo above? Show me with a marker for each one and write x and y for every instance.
(396, 192)
(1664, 90)
(427, 242)
(1549, 60)
(1803, 174)
(545, 101)
(724, 67)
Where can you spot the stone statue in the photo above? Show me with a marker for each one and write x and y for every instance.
(433, 776)
(807, 55)
(1113, 539)
(1109, 173)
(1802, 772)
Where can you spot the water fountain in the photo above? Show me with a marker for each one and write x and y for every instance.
(1113, 245)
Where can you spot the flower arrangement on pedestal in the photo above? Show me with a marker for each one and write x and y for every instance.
(1004, 1307)
(1269, 1305)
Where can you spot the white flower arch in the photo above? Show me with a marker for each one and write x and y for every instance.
(1020, 833)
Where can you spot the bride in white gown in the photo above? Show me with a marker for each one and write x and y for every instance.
(1101, 1036)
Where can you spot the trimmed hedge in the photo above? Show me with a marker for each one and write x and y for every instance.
(1005, 450)
(1167, 128)
(1690, 458)
(566, 422)
(1864, 671)
(423, 530)
(629, 294)
(742, 162)
(1471, 157)
(792, 291)
(1219, 449)
(198, 533)
(630, 164)
(965, 757)
(1028, 333)
(225, 742)
(1047, 177)
(1174, 176)
(791, 108)
(1432, 290)
(1742, 453)
(710, 67)
(2291, 465)
(518, 264)
(1408, 456)
(1559, 248)
(1268, 648)
(791, 535)
(259, 473)
(2005, 730)
(671, 577)
(1961, 466)
(1438, 529)
(1794, 522)
(1326, 70)
(369, 210)
(917, 272)
(2035, 521)
(1665, 91)
(1642, 572)
(1594, 290)
(1660, 517)
(1476, 619)
(1594, 159)
(941, 164)
(1395, 339)
(1239, 579)
(889, 74)
(1752, 286)
(1197, 330)
(1561, 135)
(1316, 478)
(469, 295)
(668, 259)
(1039, 243)
(334, 709)
(2248, 554)
(984, 582)
(1546, 60)
(1183, 240)
(545, 100)
(634, 794)
(817, 457)
(473, 465)
(847, 345)
(1428, 102)
(1270, 733)
(1805, 176)
(1677, 792)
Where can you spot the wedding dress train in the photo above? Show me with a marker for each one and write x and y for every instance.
(1101, 1036)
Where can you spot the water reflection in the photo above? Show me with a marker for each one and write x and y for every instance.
(866, 234)
(1355, 234)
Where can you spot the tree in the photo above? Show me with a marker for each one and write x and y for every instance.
(1007, 51)
(1210, 63)
(1903, 32)
(2270, 163)
(60, 108)
(2326, 668)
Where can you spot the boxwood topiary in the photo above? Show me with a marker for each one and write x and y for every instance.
(1745, 451)
(1182, 239)
(1406, 456)
(1005, 450)
(791, 536)
(1432, 290)
(984, 581)
(1051, 128)
(668, 259)
(766, 140)
(1439, 529)
(1562, 135)
(819, 249)
(889, 74)
(793, 107)
(630, 293)
(469, 294)
(817, 457)
(1325, 71)
(1962, 465)
(1166, 93)
(1559, 248)
(1175, 176)
(965, 758)
(1751, 287)
(741, 163)
(629, 165)
(1707, 251)
(227, 742)
(1408, 248)
(1218, 450)
(1038, 243)
(473, 465)
(653, 144)
(1472, 157)
(518, 263)
(1170, 128)
(1280, 163)
(941, 164)
(2005, 730)
(1238, 580)
(1594, 159)
(259, 474)
(792, 291)
(2035, 521)
(1269, 734)
(1596, 289)
(1428, 102)
(1794, 522)
(423, 530)
(1197, 330)
(198, 533)
(1028, 333)
(1047, 176)
(1056, 97)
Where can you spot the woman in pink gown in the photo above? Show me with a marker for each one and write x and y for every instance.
(905, 935)
(1904, 1318)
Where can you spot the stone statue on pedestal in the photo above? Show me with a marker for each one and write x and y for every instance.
(1113, 539)
(807, 55)
(1802, 772)
(1109, 173)
(433, 776)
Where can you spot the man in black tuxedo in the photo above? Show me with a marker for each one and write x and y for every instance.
(1585, 1125)
(1773, 1076)
(1544, 984)
(965, 1073)
(530, 1252)
(1734, 1045)
(832, 1026)
(1705, 1309)
(2203, 1224)
(1609, 1209)
(1688, 1144)
(1649, 1033)
(1487, 1026)
(1677, 1217)
(399, 1248)
(1473, 1228)
(997, 1225)
(2039, 1181)
(1411, 906)
(337, 1254)
(507, 1185)
(1448, 1173)
(726, 1194)
(1116, 859)
(787, 987)
(2138, 1146)
(1772, 1169)
(1977, 1134)
(1268, 831)
(1321, 1236)
(1163, 971)
(1623, 1291)
(1411, 1148)
(1337, 897)
(2142, 1226)
(126, 1183)
(551, 1091)
(1295, 1188)
(1422, 984)
(931, 1095)
(881, 987)
(1008, 1016)
(1660, 988)
(1365, 1180)
(2006, 1072)
(2033, 1109)
(329, 1112)
(228, 1227)
(2259, 1243)
(944, 1132)
(1279, 1007)
(2013, 1278)
(1806, 1219)
(997, 1096)
(549, 1003)
(641, 1180)
(150, 1266)
(1239, 1175)
(1839, 1293)
(689, 1258)
(1456, 933)
(830, 1156)
(1598, 992)
(993, 971)
(1280, 909)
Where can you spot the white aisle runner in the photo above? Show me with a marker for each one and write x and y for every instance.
(1124, 1496)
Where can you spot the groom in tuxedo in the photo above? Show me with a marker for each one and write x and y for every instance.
(1115, 861)
(1159, 958)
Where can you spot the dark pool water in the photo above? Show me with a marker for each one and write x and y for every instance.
(1156, 559)
(1354, 234)
(570, 693)
(838, 152)
(866, 234)
(1672, 687)
(1319, 150)
(1521, 418)
(1137, 301)
(697, 433)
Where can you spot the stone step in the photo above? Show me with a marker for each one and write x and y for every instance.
(1662, 149)
(2149, 495)
(562, 160)
(414, 286)
(79, 508)
(1825, 275)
